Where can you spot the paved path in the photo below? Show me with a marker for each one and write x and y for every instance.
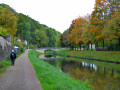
(21, 76)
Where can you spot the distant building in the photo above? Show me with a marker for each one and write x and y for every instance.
(18, 40)
(93, 46)
(22, 41)
(25, 42)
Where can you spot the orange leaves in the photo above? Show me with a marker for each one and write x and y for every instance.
(101, 4)
(100, 26)
(76, 30)
(97, 37)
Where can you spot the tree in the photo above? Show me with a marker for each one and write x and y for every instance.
(86, 37)
(4, 31)
(8, 20)
(65, 34)
(98, 20)
(23, 27)
(79, 27)
(70, 37)
(76, 29)
(40, 38)
(114, 5)
(113, 27)
(52, 37)
(60, 41)
(27, 30)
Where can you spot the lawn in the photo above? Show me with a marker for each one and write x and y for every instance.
(51, 78)
(103, 55)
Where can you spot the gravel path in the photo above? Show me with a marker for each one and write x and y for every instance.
(21, 76)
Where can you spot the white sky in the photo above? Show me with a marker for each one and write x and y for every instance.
(57, 14)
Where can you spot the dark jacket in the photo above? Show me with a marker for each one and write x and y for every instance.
(13, 55)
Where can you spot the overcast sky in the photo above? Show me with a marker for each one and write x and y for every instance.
(57, 14)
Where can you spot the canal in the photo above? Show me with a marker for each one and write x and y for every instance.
(101, 75)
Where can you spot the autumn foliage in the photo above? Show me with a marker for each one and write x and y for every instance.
(102, 26)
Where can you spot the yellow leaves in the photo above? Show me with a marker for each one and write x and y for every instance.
(8, 20)
(99, 27)
(78, 26)
(97, 37)
(113, 26)
(4, 31)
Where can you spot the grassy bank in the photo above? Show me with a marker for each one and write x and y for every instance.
(4, 64)
(51, 78)
(103, 55)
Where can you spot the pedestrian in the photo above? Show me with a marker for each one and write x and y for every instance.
(13, 57)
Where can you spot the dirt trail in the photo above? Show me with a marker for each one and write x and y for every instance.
(21, 76)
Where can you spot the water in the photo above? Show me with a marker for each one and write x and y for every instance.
(102, 76)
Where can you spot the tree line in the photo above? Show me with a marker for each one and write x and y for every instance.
(101, 28)
(23, 27)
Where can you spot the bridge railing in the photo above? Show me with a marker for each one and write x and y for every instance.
(48, 48)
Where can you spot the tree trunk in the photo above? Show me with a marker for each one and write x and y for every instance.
(103, 46)
(96, 44)
(75, 48)
(2, 30)
(80, 47)
(119, 43)
(70, 47)
(13, 40)
(110, 45)
(83, 47)
(88, 47)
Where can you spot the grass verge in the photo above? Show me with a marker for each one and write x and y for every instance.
(5, 63)
(51, 78)
(103, 55)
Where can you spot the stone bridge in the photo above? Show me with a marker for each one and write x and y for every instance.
(41, 50)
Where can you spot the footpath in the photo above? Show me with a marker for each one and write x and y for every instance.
(21, 76)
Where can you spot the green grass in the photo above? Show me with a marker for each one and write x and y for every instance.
(6, 63)
(103, 55)
(51, 78)
(49, 52)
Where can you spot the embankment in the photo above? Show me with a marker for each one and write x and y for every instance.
(102, 56)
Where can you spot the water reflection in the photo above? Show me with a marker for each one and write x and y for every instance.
(91, 66)
(102, 76)
(49, 57)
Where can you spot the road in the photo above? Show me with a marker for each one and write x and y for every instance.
(21, 76)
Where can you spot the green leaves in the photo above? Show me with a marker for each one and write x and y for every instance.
(39, 34)
(4, 31)
(41, 38)
(8, 20)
